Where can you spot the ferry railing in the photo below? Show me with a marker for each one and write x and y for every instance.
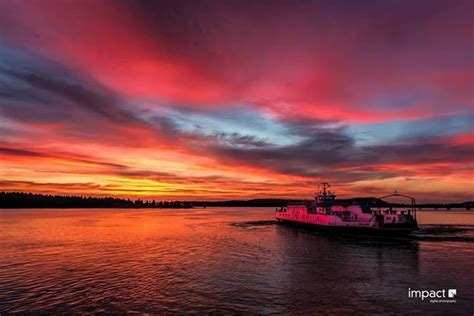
(412, 202)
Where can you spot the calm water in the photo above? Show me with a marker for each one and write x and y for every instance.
(225, 260)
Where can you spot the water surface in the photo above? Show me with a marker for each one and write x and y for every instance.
(224, 260)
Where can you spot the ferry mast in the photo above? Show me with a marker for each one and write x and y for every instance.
(324, 197)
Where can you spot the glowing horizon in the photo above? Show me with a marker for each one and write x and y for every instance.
(217, 100)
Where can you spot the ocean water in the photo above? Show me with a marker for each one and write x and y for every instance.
(225, 261)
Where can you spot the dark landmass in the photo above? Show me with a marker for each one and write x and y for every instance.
(30, 200)
(371, 201)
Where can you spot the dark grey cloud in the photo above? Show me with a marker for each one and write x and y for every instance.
(29, 80)
(327, 152)
(39, 92)
(238, 140)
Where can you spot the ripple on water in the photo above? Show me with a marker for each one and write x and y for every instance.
(159, 262)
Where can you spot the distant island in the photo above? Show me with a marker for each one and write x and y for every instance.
(31, 200)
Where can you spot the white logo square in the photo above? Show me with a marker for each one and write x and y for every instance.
(452, 292)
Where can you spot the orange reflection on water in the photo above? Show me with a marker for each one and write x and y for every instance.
(228, 260)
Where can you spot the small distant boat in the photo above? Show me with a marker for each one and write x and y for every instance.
(327, 214)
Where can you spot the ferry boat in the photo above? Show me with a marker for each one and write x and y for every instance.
(328, 214)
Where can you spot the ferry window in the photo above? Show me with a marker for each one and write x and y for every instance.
(366, 208)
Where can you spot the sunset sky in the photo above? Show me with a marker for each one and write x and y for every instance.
(237, 99)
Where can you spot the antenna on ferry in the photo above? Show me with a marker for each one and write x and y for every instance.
(326, 186)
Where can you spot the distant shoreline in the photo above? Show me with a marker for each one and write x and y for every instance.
(30, 200)
(426, 209)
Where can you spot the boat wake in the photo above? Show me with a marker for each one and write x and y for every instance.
(441, 233)
(251, 224)
(464, 233)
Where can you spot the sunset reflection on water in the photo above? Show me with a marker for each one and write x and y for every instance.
(217, 260)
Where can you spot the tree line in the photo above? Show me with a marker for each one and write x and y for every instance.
(31, 200)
